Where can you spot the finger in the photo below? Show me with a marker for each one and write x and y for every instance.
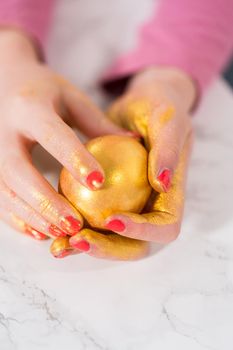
(87, 116)
(163, 221)
(60, 141)
(106, 246)
(164, 130)
(60, 248)
(21, 226)
(167, 132)
(132, 114)
(35, 190)
(19, 215)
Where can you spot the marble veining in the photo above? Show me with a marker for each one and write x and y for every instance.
(179, 297)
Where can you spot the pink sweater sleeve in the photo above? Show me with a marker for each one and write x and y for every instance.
(194, 35)
(32, 16)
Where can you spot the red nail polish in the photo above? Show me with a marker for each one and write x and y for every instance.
(55, 231)
(95, 180)
(70, 225)
(81, 245)
(115, 225)
(62, 254)
(165, 179)
(34, 233)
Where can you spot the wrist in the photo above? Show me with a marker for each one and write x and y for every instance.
(15, 45)
(175, 81)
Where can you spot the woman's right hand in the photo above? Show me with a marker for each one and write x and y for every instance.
(32, 101)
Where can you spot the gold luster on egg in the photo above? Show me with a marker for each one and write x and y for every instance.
(126, 187)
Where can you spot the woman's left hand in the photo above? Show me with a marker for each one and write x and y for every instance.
(156, 104)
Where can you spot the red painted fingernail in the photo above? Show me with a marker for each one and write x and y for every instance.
(81, 245)
(55, 231)
(34, 233)
(62, 254)
(71, 225)
(95, 180)
(115, 225)
(165, 179)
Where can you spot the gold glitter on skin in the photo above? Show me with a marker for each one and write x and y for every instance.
(78, 165)
(19, 223)
(166, 208)
(22, 226)
(35, 89)
(59, 245)
(50, 210)
(168, 115)
(134, 116)
(163, 209)
(109, 246)
(113, 246)
(46, 206)
(139, 112)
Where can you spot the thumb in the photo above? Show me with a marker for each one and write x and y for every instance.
(168, 131)
(99, 245)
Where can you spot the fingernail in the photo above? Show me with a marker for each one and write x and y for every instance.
(55, 231)
(81, 245)
(62, 254)
(95, 180)
(34, 233)
(115, 225)
(165, 179)
(71, 225)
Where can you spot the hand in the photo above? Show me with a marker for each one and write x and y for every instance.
(33, 103)
(156, 105)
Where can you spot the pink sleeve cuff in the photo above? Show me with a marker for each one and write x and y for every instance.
(195, 36)
(31, 16)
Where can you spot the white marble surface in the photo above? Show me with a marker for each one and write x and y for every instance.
(180, 297)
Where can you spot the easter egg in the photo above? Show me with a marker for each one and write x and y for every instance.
(126, 187)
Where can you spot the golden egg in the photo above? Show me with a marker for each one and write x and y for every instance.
(126, 187)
